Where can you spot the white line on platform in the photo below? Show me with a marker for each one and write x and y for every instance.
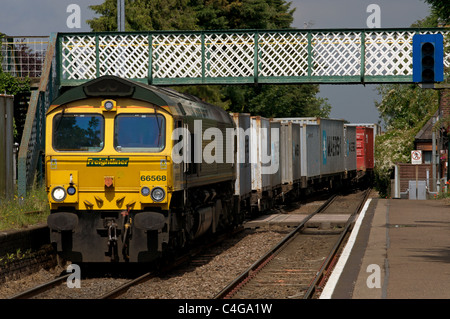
(332, 281)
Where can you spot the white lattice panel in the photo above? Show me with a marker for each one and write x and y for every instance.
(389, 53)
(283, 54)
(124, 55)
(446, 45)
(447, 55)
(79, 57)
(229, 55)
(336, 54)
(177, 56)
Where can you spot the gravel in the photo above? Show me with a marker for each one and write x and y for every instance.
(203, 278)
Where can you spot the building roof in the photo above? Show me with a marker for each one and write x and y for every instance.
(425, 133)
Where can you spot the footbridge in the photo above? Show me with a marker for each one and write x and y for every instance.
(346, 56)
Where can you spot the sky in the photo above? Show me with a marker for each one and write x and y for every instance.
(354, 103)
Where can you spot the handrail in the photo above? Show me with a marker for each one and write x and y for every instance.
(33, 138)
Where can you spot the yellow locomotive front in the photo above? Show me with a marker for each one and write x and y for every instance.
(106, 159)
(101, 159)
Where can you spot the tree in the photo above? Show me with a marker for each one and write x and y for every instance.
(247, 14)
(194, 15)
(145, 15)
(405, 109)
(279, 101)
(275, 100)
(12, 86)
(441, 9)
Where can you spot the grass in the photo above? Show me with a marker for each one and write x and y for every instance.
(11, 257)
(22, 212)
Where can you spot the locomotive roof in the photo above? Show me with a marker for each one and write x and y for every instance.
(110, 86)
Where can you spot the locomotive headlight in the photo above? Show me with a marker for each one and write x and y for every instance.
(58, 194)
(109, 105)
(71, 190)
(158, 194)
(145, 191)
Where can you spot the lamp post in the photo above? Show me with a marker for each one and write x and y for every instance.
(120, 15)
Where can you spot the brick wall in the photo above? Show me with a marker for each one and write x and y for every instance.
(36, 252)
(32, 238)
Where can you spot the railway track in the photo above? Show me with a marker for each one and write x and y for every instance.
(299, 239)
(123, 288)
(284, 272)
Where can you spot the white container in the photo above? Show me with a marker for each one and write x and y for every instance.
(260, 154)
(290, 153)
(310, 151)
(243, 185)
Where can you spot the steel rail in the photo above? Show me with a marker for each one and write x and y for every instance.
(324, 270)
(253, 269)
(40, 288)
(178, 262)
(124, 288)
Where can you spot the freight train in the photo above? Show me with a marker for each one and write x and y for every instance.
(135, 171)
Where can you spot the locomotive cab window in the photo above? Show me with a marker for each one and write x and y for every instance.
(78, 132)
(139, 133)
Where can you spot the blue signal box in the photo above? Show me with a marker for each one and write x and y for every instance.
(428, 58)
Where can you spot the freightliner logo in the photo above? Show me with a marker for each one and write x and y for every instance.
(107, 161)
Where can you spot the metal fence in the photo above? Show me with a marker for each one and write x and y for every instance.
(33, 137)
(23, 56)
(6, 146)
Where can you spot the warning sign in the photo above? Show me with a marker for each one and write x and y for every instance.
(416, 157)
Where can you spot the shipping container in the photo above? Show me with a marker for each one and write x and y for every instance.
(290, 153)
(350, 148)
(376, 128)
(364, 148)
(243, 185)
(276, 168)
(321, 150)
(310, 151)
(260, 155)
(298, 120)
(310, 146)
(332, 139)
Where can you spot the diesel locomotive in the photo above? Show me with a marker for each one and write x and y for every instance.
(115, 192)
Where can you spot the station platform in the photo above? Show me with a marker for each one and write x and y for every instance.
(399, 249)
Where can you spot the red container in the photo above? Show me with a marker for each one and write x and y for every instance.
(364, 148)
